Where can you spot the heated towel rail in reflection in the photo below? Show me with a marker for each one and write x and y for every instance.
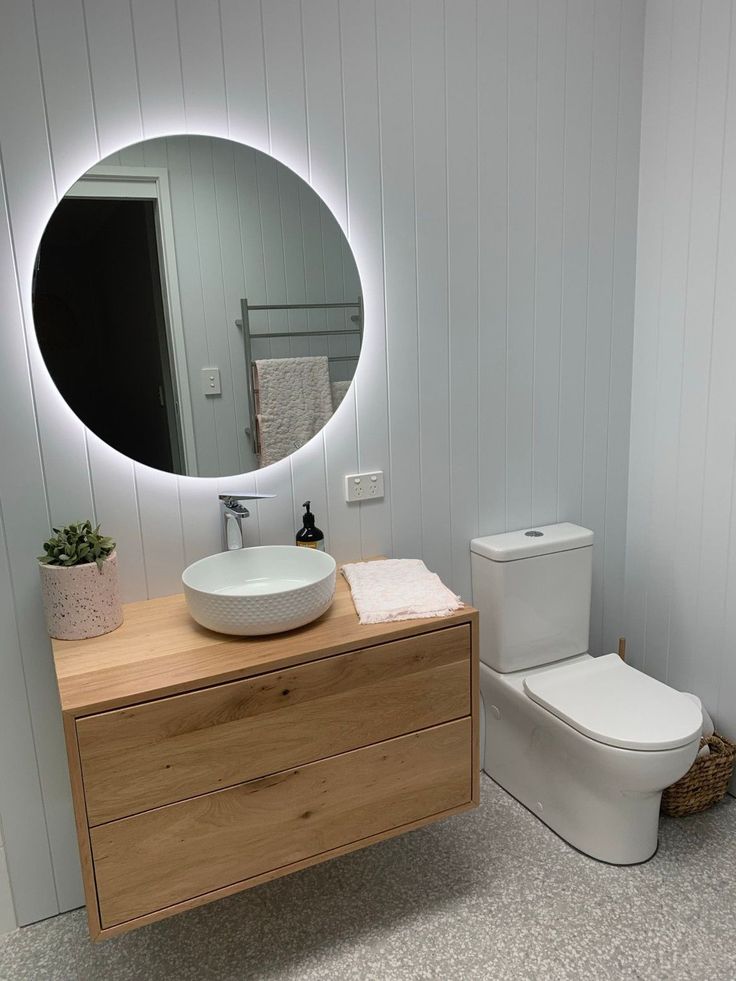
(249, 337)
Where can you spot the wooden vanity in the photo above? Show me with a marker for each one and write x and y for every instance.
(203, 764)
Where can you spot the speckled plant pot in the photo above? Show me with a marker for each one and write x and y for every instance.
(81, 600)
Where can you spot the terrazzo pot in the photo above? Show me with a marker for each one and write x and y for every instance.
(81, 601)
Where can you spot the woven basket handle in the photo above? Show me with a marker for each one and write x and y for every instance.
(718, 745)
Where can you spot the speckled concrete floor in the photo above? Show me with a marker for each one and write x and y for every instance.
(491, 894)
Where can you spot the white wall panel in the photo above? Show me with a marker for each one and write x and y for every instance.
(116, 509)
(577, 249)
(363, 169)
(482, 158)
(493, 262)
(325, 106)
(21, 800)
(461, 73)
(245, 80)
(622, 313)
(67, 90)
(393, 25)
(680, 587)
(432, 491)
(523, 47)
(603, 152)
(65, 73)
(25, 494)
(551, 33)
(113, 74)
(158, 64)
(202, 67)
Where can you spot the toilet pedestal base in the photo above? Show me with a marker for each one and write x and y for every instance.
(601, 799)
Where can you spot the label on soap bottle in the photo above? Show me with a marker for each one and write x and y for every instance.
(320, 546)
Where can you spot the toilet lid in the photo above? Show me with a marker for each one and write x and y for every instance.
(615, 704)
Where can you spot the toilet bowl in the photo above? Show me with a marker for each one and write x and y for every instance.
(600, 797)
(588, 744)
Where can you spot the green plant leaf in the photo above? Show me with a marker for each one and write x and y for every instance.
(77, 544)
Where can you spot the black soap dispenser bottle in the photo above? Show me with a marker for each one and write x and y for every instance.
(310, 536)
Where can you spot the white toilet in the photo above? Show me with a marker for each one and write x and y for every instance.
(586, 743)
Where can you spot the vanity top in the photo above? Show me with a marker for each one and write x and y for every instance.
(160, 650)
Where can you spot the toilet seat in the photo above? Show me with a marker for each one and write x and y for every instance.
(605, 699)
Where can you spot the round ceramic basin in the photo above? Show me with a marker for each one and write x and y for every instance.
(261, 590)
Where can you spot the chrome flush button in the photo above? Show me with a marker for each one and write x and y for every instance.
(534, 534)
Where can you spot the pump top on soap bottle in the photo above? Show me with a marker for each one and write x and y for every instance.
(310, 536)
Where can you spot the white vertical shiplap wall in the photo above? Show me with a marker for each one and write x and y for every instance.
(681, 550)
(482, 158)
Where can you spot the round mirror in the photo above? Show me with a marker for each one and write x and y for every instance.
(198, 306)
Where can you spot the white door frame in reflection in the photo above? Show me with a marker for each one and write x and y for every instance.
(152, 184)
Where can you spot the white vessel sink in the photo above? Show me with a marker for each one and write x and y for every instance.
(260, 590)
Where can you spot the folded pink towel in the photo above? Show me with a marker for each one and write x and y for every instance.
(398, 589)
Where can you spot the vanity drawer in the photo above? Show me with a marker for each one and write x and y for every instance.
(155, 860)
(149, 755)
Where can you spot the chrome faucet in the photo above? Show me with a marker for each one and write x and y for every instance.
(233, 517)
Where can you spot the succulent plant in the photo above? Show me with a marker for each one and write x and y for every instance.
(77, 544)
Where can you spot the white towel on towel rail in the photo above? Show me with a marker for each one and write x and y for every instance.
(339, 391)
(295, 402)
(398, 589)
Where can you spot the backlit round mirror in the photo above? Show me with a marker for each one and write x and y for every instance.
(198, 306)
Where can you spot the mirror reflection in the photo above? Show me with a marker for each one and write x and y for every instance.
(198, 306)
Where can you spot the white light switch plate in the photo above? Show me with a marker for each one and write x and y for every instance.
(364, 486)
(211, 381)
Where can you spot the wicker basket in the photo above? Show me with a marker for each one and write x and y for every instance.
(705, 783)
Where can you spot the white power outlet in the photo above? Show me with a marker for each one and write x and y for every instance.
(364, 486)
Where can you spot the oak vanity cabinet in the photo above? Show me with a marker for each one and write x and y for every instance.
(203, 764)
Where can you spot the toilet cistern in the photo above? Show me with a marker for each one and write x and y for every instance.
(234, 514)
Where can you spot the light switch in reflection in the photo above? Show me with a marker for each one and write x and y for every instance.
(211, 381)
